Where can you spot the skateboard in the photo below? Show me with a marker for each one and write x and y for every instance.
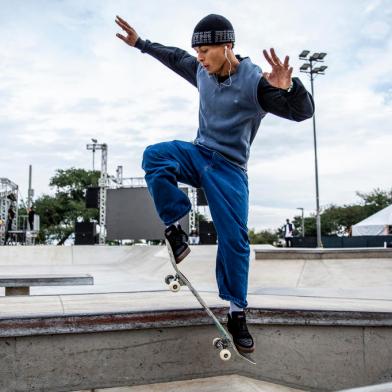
(225, 341)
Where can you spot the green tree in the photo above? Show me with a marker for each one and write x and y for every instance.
(58, 213)
(262, 237)
(375, 200)
(297, 223)
(337, 220)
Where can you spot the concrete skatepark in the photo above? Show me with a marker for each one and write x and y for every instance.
(322, 322)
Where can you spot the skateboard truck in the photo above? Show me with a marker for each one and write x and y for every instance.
(174, 282)
(222, 345)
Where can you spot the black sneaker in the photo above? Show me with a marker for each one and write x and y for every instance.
(236, 325)
(178, 240)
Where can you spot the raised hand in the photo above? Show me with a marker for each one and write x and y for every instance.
(132, 35)
(280, 76)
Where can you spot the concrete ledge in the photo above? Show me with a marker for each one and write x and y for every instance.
(321, 254)
(45, 280)
(40, 315)
(16, 285)
(104, 322)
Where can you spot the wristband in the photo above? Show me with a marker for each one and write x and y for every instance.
(290, 87)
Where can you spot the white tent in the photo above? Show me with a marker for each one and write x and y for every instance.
(376, 224)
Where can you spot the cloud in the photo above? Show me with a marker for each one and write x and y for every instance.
(66, 78)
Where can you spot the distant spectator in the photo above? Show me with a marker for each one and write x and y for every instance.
(10, 218)
(194, 238)
(31, 214)
(288, 233)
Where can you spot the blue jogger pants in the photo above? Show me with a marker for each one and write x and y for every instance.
(226, 188)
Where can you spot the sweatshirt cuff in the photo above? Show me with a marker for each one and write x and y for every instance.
(141, 44)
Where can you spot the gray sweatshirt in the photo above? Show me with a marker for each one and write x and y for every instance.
(230, 112)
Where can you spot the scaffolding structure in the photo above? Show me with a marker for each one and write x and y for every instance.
(118, 181)
(127, 182)
(8, 198)
(192, 214)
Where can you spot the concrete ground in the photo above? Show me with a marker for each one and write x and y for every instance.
(132, 279)
(231, 383)
(220, 384)
(143, 268)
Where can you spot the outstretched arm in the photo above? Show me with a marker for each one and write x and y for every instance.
(296, 104)
(174, 58)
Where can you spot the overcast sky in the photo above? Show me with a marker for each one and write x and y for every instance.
(65, 78)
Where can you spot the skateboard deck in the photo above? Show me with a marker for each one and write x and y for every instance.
(225, 341)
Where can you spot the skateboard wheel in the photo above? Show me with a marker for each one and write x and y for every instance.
(168, 279)
(174, 286)
(225, 355)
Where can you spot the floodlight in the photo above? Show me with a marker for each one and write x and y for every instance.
(303, 54)
(314, 56)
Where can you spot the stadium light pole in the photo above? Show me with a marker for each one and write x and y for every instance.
(309, 68)
(303, 222)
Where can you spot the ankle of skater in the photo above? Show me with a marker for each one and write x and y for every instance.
(235, 308)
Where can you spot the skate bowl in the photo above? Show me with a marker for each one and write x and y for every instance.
(319, 325)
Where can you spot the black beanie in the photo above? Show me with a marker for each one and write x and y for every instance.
(213, 30)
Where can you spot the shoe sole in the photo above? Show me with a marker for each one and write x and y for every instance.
(182, 256)
(242, 349)
(246, 350)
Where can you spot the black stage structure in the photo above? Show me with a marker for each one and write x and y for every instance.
(131, 214)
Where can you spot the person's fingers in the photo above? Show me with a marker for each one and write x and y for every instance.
(290, 71)
(122, 37)
(123, 26)
(275, 58)
(268, 58)
(123, 21)
(286, 62)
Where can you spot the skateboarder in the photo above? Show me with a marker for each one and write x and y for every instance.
(234, 97)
